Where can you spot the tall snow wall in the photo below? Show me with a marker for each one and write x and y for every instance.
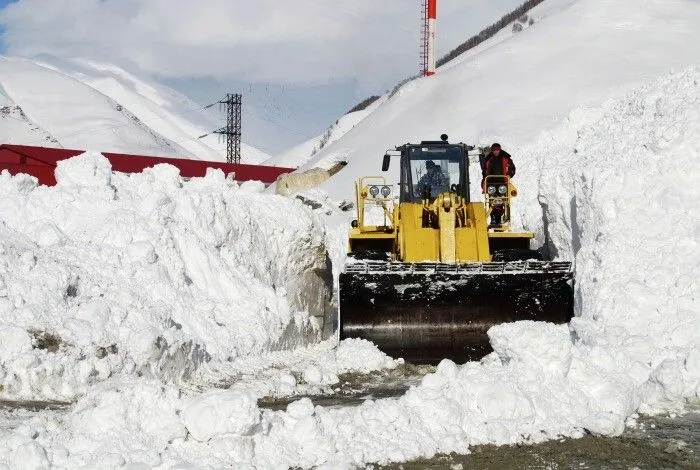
(149, 274)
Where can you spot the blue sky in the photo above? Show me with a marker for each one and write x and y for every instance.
(300, 65)
(3, 3)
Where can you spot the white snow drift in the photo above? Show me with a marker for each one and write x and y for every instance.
(147, 273)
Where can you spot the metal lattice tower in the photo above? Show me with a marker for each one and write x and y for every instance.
(427, 37)
(232, 130)
(423, 57)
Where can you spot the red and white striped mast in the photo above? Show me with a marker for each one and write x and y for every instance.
(428, 37)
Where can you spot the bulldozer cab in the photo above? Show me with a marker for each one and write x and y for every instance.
(431, 168)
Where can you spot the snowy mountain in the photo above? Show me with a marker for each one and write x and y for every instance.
(84, 104)
(577, 53)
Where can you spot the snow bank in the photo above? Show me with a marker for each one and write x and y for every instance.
(149, 274)
(618, 187)
(143, 422)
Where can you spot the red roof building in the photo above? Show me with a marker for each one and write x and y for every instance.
(40, 162)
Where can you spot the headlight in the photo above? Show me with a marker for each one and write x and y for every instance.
(491, 190)
(502, 189)
(386, 190)
(374, 190)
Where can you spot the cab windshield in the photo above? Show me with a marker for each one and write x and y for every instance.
(431, 170)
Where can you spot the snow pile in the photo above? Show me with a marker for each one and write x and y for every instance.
(356, 354)
(143, 421)
(309, 370)
(149, 274)
(617, 186)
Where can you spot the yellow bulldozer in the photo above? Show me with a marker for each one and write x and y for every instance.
(426, 275)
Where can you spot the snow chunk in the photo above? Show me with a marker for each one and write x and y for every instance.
(91, 169)
(252, 187)
(31, 455)
(14, 342)
(221, 412)
(46, 233)
(360, 355)
(530, 343)
(119, 422)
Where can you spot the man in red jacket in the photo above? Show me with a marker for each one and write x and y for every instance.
(497, 162)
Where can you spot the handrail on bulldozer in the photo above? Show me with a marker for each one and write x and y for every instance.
(503, 191)
(375, 189)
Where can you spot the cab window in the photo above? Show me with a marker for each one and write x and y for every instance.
(434, 170)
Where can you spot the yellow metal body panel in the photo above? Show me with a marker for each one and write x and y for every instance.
(446, 230)
(357, 234)
(528, 235)
(448, 241)
(418, 243)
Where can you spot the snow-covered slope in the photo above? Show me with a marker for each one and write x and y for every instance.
(534, 15)
(578, 53)
(305, 151)
(15, 126)
(167, 273)
(84, 104)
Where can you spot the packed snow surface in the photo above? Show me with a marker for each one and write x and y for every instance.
(632, 347)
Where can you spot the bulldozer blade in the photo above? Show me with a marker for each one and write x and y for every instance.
(425, 312)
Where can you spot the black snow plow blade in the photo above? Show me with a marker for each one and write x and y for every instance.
(426, 312)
